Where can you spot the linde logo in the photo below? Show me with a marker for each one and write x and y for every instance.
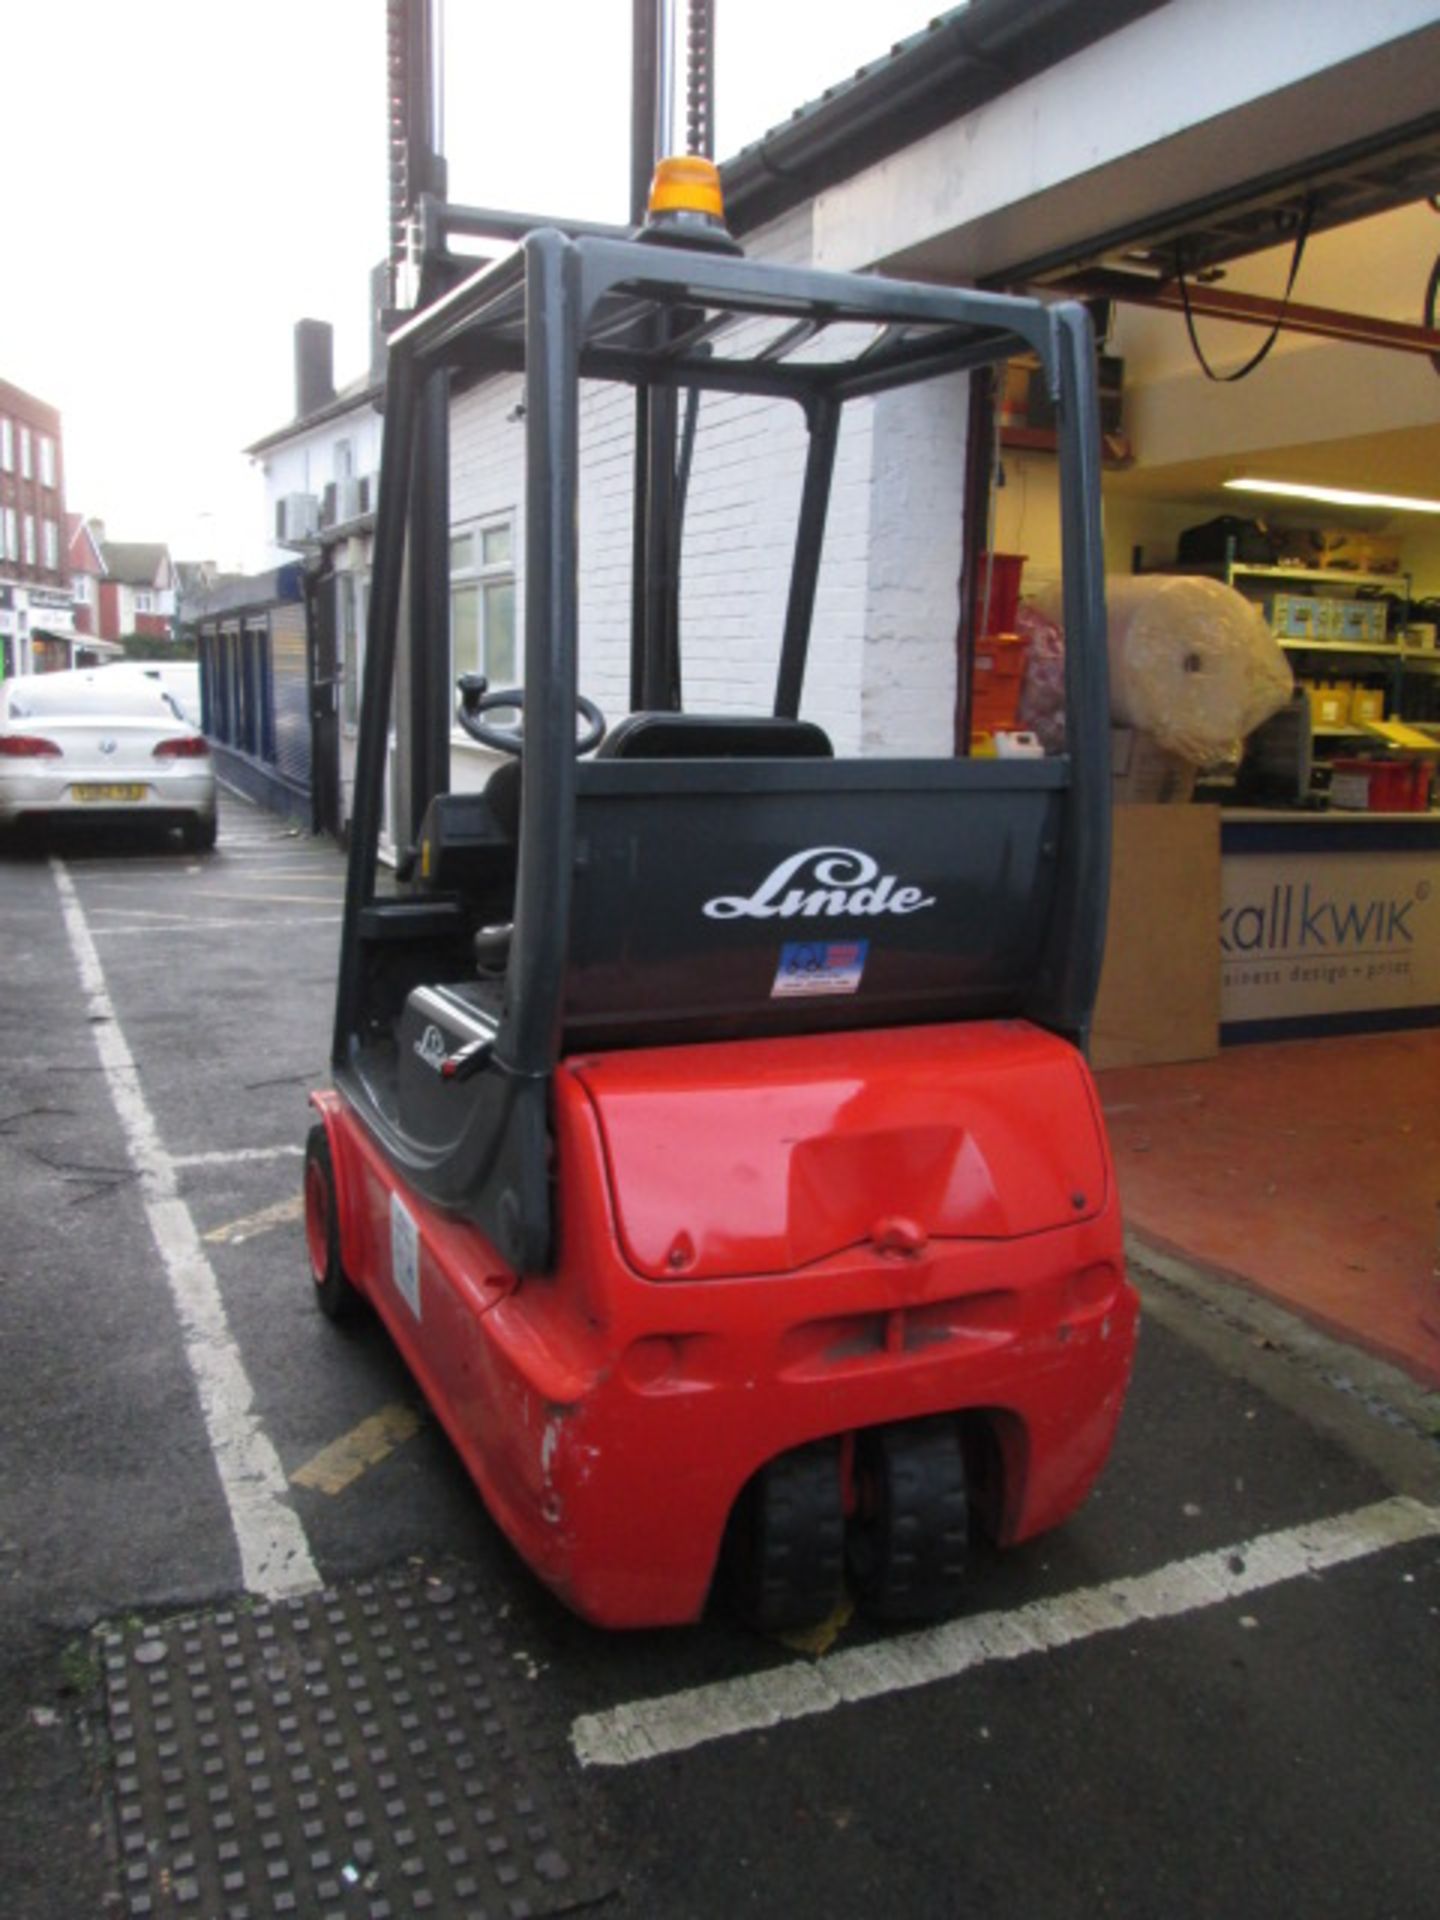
(830, 881)
(1303, 919)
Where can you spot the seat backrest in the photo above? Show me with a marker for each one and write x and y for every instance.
(714, 736)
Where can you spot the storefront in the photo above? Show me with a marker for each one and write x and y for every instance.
(1328, 846)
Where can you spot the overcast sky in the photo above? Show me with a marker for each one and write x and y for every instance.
(190, 177)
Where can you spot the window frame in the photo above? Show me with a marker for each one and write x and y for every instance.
(481, 576)
(352, 596)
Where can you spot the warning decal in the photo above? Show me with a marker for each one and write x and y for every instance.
(817, 966)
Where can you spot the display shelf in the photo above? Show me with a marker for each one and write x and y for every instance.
(1321, 576)
(1386, 648)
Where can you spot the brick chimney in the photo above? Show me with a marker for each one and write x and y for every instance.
(314, 366)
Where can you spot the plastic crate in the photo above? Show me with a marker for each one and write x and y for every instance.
(1002, 571)
(998, 678)
(1380, 786)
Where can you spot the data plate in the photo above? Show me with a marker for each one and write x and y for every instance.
(110, 793)
(373, 1750)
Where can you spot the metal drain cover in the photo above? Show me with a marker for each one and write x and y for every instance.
(373, 1751)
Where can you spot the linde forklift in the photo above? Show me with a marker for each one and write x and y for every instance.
(709, 1126)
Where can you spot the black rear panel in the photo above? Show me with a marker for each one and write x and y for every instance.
(790, 897)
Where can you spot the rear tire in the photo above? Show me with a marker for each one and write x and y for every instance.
(335, 1292)
(907, 1538)
(785, 1547)
(198, 834)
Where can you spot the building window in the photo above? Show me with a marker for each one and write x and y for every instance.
(144, 600)
(344, 459)
(7, 446)
(28, 525)
(9, 539)
(47, 461)
(482, 602)
(50, 531)
(80, 589)
(27, 471)
(351, 597)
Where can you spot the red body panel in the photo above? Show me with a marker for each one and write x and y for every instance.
(762, 1243)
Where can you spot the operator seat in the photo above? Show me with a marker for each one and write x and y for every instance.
(714, 736)
(655, 736)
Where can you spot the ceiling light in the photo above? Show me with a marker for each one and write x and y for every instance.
(1336, 496)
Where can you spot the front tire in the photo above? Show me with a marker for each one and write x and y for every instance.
(335, 1293)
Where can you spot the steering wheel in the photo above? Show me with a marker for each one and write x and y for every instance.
(475, 699)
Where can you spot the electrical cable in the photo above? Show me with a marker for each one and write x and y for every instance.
(1262, 352)
(1432, 288)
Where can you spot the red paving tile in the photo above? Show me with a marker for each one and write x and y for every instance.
(1309, 1171)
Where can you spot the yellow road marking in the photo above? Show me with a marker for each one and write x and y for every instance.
(235, 1231)
(341, 1463)
(818, 1640)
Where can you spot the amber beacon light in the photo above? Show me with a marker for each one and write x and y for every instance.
(686, 205)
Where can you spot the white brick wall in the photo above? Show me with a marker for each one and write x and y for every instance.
(880, 675)
(917, 496)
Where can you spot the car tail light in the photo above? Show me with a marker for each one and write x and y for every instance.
(28, 746)
(190, 746)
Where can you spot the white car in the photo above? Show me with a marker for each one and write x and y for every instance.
(179, 678)
(106, 746)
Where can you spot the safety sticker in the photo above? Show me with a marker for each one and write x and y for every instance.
(405, 1255)
(816, 966)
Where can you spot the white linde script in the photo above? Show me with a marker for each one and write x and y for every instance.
(842, 881)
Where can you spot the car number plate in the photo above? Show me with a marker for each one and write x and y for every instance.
(107, 792)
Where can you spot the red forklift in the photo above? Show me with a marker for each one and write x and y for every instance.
(710, 1125)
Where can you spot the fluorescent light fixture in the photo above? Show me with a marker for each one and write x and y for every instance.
(1336, 496)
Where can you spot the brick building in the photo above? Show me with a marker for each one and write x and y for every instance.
(36, 618)
(137, 593)
(85, 557)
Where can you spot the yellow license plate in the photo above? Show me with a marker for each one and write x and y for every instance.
(108, 793)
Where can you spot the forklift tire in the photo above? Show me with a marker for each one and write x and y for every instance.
(785, 1546)
(335, 1292)
(907, 1537)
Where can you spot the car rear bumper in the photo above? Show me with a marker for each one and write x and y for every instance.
(181, 795)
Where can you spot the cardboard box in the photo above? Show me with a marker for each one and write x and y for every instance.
(1292, 616)
(1351, 552)
(1147, 774)
(1160, 987)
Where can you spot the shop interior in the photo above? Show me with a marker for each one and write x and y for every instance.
(1303, 1169)
(1351, 591)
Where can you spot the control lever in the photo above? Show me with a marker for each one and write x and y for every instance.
(467, 1060)
(472, 688)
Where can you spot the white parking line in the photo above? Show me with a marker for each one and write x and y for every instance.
(646, 1729)
(197, 924)
(275, 1557)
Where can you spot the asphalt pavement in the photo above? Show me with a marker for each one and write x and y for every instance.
(1213, 1693)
